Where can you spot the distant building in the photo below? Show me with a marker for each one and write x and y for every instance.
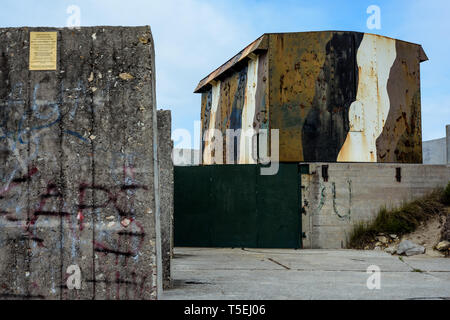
(334, 96)
(437, 151)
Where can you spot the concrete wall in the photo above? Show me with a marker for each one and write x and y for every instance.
(437, 151)
(78, 185)
(447, 133)
(355, 192)
(165, 147)
(434, 151)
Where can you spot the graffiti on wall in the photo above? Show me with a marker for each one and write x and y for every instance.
(328, 197)
(88, 223)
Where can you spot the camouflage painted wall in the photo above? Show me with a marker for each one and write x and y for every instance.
(334, 96)
(237, 102)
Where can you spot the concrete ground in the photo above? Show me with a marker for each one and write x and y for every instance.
(210, 273)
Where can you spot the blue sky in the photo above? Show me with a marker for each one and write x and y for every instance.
(193, 37)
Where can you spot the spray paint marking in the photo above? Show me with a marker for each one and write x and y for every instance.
(347, 215)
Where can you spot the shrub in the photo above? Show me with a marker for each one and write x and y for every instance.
(399, 221)
(446, 195)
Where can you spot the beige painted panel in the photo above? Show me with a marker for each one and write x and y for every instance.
(367, 115)
(209, 145)
(248, 114)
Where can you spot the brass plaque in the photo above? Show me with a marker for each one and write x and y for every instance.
(43, 50)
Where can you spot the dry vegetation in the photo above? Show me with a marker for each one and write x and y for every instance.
(403, 220)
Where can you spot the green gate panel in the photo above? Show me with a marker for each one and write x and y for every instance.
(234, 206)
(233, 211)
(192, 201)
(279, 219)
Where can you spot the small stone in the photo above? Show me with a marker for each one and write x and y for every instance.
(443, 246)
(92, 137)
(143, 40)
(111, 224)
(410, 248)
(110, 218)
(378, 244)
(91, 77)
(415, 251)
(377, 248)
(390, 250)
(126, 76)
(381, 239)
(393, 236)
(93, 89)
(125, 222)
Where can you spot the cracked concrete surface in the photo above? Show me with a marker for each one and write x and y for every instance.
(211, 273)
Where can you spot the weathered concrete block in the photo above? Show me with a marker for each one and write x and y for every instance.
(434, 151)
(447, 142)
(165, 147)
(78, 185)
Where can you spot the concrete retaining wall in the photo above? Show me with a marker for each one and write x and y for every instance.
(355, 192)
(78, 185)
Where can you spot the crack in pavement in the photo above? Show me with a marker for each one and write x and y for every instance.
(413, 269)
(278, 263)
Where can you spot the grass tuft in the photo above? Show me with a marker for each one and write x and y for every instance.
(446, 195)
(399, 221)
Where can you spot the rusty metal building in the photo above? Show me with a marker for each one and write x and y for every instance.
(334, 96)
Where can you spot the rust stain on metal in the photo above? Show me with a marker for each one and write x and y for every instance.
(258, 44)
(334, 96)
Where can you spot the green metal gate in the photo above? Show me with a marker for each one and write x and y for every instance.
(235, 206)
